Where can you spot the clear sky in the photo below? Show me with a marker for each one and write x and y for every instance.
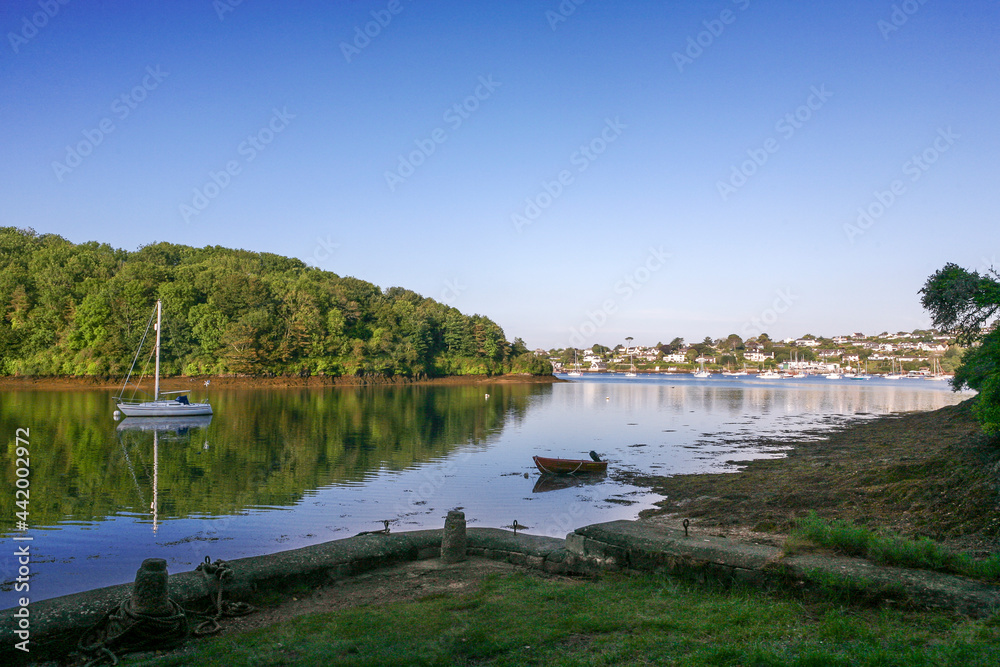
(579, 173)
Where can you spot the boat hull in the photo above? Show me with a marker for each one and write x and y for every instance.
(568, 466)
(164, 409)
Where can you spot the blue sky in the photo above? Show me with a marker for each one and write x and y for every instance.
(577, 172)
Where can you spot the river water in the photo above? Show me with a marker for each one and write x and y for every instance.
(280, 469)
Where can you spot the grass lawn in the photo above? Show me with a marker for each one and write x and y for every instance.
(521, 619)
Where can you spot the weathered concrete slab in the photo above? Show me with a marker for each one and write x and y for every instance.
(920, 588)
(643, 546)
(640, 545)
(57, 624)
(539, 552)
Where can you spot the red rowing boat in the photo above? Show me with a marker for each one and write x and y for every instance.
(568, 466)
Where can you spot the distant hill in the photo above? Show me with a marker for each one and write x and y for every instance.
(81, 309)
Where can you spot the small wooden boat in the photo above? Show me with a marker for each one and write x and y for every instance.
(568, 466)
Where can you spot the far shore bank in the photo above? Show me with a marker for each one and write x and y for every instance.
(50, 383)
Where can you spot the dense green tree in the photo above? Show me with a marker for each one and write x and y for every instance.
(69, 309)
(734, 342)
(518, 347)
(673, 346)
(967, 304)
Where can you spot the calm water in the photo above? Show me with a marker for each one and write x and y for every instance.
(280, 469)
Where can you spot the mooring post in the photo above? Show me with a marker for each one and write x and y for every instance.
(453, 540)
(149, 593)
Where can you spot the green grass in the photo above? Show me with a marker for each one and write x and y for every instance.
(521, 619)
(888, 548)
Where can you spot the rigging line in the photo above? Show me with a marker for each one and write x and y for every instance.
(142, 376)
(137, 351)
(131, 469)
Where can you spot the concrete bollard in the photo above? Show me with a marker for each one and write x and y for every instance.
(453, 541)
(149, 593)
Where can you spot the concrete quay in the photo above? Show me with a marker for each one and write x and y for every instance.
(631, 546)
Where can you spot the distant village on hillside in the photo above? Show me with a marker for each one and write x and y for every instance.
(920, 352)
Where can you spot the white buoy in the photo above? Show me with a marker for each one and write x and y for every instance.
(116, 415)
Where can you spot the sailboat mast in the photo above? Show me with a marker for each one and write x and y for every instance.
(156, 384)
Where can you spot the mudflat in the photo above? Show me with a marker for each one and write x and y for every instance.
(932, 474)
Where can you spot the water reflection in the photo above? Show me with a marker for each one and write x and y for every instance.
(680, 393)
(279, 469)
(268, 448)
(547, 482)
(173, 431)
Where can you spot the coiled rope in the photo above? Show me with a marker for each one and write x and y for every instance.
(124, 630)
(216, 574)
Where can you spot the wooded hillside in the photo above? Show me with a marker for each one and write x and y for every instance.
(81, 309)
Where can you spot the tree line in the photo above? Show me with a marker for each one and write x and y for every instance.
(80, 309)
(967, 303)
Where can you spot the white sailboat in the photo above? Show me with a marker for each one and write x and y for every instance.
(702, 373)
(892, 374)
(631, 365)
(936, 372)
(158, 407)
(862, 374)
(576, 366)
